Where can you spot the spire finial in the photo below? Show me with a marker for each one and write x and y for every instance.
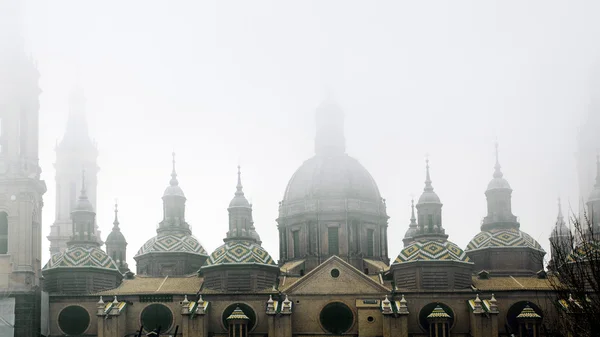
(174, 181)
(83, 190)
(413, 219)
(560, 213)
(239, 187)
(428, 186)
(116, 222)
(497, 168)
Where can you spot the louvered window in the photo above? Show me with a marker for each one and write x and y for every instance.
(296, 239)
(333, 240)
(3, 233)
(370, 242)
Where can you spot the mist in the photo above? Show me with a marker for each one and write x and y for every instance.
(237, 82)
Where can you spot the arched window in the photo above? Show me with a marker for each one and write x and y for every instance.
(3, 233)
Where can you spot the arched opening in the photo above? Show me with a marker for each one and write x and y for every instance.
(524, 319)
(73, 320)
(336, 318)
(437, 319)
(157, 316)
(248, 312)
(3, 233)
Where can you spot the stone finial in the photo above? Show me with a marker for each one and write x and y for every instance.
(286, 306)
(403, 308)
(185, 300)
(493, 305)
(478, 309)
(101, 301)
(115, 301)
(270, 305)
(386, 306)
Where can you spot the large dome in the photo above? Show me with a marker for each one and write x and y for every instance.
(82, 257)
(331, 177)
(431, 250)
(172, 243)
(503, 237)
(240, 253)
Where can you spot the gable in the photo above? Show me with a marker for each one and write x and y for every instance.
(326, 281)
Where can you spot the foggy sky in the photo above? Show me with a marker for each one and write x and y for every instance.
(228, 82)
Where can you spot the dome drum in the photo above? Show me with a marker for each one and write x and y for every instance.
(239, 266)
(333, 205)
(432, 275)
(80, 280)
(170, 263)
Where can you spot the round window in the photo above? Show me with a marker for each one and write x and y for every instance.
(73, 320)
(335, 273)
(245, 308)
(157, 316)
(336, 318)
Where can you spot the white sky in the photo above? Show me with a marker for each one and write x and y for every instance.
(223, 82)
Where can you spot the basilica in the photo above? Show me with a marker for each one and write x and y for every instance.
(334, 276)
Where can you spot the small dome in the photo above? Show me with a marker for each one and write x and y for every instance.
(174, 190)
(431, 250)
(429, 197)
(332, 176)
(503, 237)
(240, 253)
(82, 257)
(410, 232)
(498, 183)
(172, 243)
(239, 202)
(116, 236)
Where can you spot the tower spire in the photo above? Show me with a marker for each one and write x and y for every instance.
(428, 186)
(83, 190)
(239, 188)
(413, 219)
(497, 168)
(174, 181)
(560, 217)
(116, 221)
(330, 139)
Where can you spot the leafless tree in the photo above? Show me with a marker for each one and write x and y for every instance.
(575, 277)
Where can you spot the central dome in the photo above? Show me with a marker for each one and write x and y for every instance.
(331, 177)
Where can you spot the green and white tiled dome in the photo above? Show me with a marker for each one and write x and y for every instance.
(240, 252)
(172, 243)
(431, 250)
(81, 257)
(503, 237)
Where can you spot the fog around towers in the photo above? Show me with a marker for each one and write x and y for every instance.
(238, 82)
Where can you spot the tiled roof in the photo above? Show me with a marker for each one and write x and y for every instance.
(141, 285)
(378, 265)
(528, 312)
(172, 243)
(432, 250)
(238, 314)
(503, 237)
(512, 283)
(287, 281)
(290, 265)
(82, 257)
(438, 312)
(239, 252)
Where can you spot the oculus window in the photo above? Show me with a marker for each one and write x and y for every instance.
(155, 316)
(336, 318)
(73, 320)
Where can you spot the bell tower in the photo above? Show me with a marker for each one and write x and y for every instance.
(21, 188)
(76, 151)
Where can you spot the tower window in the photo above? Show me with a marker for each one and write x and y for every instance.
(370, 241)
(333, 240)
(296, 239)
(3, 233)
(430, 221)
